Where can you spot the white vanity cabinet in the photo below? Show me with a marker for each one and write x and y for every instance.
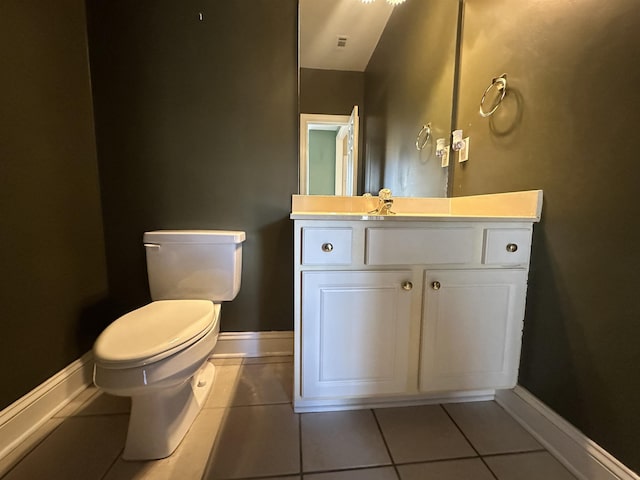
(471, 329)
(390, 311)
(355, 332)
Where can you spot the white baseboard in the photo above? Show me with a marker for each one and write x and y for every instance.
(27, 414)
(253, 344)
(582, 456)
(303, 405)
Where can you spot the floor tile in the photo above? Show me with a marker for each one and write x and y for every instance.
(256, 441)
(75, 404)
(80, 448)
(248, 430)
(224, 386)
(336, 440)
(490, 429)
(528, 466)
(422, 433)
(27, 445)
(384, 473)
(288, 477)
(187, 462)
(261, 384)
(464, 469)
(104, 404)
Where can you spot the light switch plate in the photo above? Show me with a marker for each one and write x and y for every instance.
(463, 155)
(445, 156)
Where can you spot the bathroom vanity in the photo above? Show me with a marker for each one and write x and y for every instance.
(424, 305)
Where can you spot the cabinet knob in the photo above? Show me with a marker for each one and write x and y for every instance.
(435, 285)
(407, 285)
(512, 247)
(327, 247)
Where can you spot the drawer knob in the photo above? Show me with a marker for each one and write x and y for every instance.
(435, 285)
(512, 247)
(327, 247)
(407, 285)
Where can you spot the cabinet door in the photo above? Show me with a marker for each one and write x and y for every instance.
(355, 333)
(472, 329)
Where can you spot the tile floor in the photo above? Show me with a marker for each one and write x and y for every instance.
(248, 430)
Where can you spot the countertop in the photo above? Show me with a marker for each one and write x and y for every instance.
(511, 206)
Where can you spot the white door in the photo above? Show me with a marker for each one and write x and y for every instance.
(355, 332)
(352, 153)
(342, 161)
(472, 329)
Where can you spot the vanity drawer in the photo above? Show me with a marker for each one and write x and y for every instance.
(410, 246)
(506, 246)
(326, 246)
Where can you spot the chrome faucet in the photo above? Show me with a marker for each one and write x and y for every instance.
(385, 202)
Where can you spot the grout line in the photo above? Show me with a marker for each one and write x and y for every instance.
(113, 464)
(468, 441)
(517, 452)
(438, 460)
(386, 445)
(346, 469)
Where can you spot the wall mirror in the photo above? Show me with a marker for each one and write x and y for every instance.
(397, 65)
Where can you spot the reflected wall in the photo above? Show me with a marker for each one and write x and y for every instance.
(409, 82)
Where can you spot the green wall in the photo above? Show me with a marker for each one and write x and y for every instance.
(54, 278)
(567, 126)
(322, 162)
(197, 129)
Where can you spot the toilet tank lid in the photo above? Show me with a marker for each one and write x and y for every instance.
(194, 236)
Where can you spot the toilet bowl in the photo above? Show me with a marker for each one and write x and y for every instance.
(158, 353)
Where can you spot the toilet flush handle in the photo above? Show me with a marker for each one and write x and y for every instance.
(152, 245)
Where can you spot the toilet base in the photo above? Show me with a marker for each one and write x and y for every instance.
(160, 420)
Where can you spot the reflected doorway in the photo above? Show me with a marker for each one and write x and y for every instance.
(329, 154)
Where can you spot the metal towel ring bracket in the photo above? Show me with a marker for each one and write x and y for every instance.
(423, 136)
(501, 84)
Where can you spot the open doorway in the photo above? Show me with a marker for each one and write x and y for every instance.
(329, 154)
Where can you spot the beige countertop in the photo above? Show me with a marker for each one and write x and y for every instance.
(511, 206)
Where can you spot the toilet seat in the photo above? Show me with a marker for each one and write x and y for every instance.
(153, 332)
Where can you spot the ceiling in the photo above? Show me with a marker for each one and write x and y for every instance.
(322, 22)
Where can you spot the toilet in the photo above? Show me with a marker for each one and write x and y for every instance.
(157, 354)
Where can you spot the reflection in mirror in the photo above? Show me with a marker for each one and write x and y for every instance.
(329, 154)
(398, 65)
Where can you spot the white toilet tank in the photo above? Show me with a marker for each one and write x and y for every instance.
(194, 264)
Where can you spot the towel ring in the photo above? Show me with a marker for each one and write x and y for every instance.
(501, 84)
(424, 135)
